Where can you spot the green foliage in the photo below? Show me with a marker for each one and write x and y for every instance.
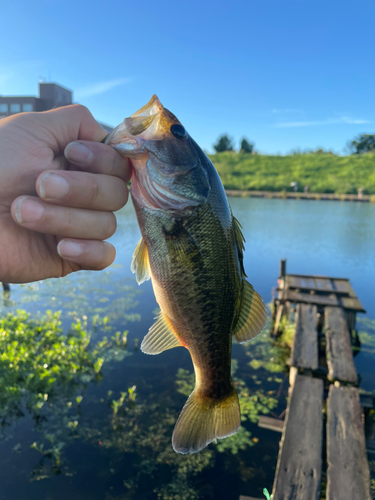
(224, 143)
(372, 477)
(246, 146)
(235, 443)
(144, 430)
(266, 494)
(39, 363)
(267, 354)
(363, 143)
(367, 334)
(98, 298)
(287, 330)
(139, 426)
(53, 452)
(323, 173)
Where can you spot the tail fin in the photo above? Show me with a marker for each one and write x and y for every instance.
(203, 419)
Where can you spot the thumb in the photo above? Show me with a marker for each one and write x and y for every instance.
(70, 123)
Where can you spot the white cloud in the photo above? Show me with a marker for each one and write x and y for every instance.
(333, 121)
(99, 88)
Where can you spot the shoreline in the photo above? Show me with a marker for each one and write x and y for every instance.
(291, 195)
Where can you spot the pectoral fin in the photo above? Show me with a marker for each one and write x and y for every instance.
(180, 243)
(160, 337)
(253, 315)
(140, 264)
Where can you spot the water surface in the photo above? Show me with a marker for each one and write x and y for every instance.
(130, 456)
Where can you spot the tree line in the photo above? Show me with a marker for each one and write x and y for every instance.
(225, 143)
(363, 143)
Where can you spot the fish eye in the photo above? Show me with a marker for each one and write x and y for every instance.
(178, 131)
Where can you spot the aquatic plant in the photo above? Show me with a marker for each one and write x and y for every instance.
(104, 298)
(366, 327)
(40, 365)
(268, 354)
(137, 426)
(141, 429)
(372, 477)
(266, 494)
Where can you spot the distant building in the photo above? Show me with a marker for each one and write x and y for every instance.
(51, 96)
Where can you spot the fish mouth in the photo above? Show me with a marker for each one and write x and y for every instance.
(147, 123)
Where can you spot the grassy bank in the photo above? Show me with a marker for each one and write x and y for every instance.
(323, 173)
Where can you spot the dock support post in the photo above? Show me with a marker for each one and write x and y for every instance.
(282, 271)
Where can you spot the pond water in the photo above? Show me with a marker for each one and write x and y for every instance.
(101, 447)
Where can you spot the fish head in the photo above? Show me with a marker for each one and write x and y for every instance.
(168, 173)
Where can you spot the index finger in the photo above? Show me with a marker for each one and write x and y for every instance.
(98, 158)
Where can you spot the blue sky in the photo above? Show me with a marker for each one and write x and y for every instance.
(285, 73)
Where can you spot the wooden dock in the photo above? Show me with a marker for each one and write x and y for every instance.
(324, 421)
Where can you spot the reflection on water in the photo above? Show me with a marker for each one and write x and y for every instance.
(99, 436)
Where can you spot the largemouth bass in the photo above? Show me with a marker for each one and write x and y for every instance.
(192, 249)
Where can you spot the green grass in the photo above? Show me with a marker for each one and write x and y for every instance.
(323, 173)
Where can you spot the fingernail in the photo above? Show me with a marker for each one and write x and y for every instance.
(28, 210)
(69, 249)
(53, 186)
(77, 152)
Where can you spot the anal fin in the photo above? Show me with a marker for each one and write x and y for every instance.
(140, 264)
(160, 337)
(253, 315)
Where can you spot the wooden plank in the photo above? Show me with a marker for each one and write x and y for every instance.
(343, 286)
(352, 303)
(326, 289)
(307, 298)
(323, 300)
(348, 476)
(307, 282)
(318, 284)
(318, 276)
(305, 344)
(273, 424)
(324, 284)
(299, 464)
(282, 271)
(279, 315)
(338, 346)
(249, 498)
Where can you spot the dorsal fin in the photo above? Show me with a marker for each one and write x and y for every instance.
(160, 337)
(239, 242)
(140, 264)
(253, 315)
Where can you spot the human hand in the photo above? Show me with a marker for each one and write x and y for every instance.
(57, 195)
